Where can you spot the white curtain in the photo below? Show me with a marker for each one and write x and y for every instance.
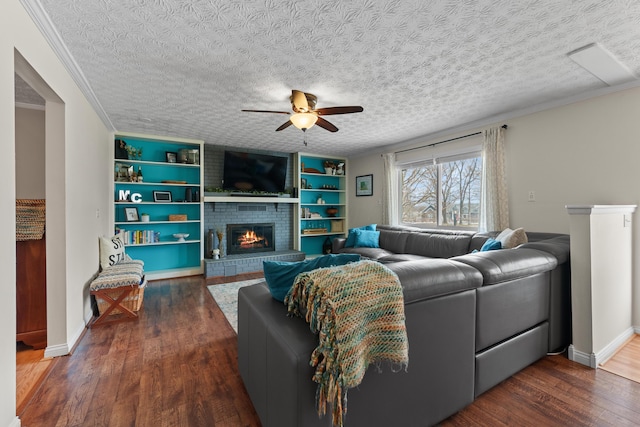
(494, 203)
(390, 190)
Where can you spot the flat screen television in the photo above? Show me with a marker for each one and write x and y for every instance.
(251, 172)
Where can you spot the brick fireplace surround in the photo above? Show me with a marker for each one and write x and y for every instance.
(217, 215)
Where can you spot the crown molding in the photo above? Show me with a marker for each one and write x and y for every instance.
(500, 118)
(43, 22)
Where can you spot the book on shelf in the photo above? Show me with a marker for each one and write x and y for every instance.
(139, 237)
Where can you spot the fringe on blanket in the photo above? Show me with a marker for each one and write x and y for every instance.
(358, 312)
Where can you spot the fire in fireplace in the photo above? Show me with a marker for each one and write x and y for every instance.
(249, 238)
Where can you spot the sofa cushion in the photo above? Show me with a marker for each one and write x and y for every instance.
(437, 245)
(393, 240)
(512, 238)
(402, 257)
(123, 273)
(491, 245)
(351, 237)
(502, 266)
(280, 275)
(508, 308)
(366, 239)
(370, 253)
(557, 246)
(423, 280)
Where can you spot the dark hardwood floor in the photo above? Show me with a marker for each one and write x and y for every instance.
(177, 366)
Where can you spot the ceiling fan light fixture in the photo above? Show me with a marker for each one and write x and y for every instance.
(303, 120)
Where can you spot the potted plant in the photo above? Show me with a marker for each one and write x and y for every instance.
(144, 217)
(134, 152)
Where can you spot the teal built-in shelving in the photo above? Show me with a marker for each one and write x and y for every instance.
(323, 201)
(153, 242)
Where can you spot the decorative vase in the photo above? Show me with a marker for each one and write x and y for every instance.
(332, 211)
(209, 242)
(327, 246)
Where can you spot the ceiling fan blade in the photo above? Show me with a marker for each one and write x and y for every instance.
(299, 101)
(284, 126)
(265, 111)
(339, 110)
(326, 125)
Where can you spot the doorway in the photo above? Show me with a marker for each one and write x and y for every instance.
(39, 130)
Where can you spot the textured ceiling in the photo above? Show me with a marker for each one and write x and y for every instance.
(25, 93)
(187, 68)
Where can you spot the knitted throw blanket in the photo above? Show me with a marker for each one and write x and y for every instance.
(358, 312)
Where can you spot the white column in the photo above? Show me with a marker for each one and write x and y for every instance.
(601, 280)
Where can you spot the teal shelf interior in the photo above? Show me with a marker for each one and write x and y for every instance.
(167, 253)
(146, 191)
(332, 190)
(312, 245)
(166, 257)
(154, 150)
(157, 172)
(159, 211)
(166, 230)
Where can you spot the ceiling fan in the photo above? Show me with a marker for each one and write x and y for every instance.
(306, 115)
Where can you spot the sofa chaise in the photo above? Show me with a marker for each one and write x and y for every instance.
(472, 320)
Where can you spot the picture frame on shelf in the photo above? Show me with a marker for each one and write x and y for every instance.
(162, 196)
(131, 214)
(125, 172)
(364, 185)
(172, 157)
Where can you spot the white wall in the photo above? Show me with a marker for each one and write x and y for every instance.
(30, 153)
(364, 210)
(583, 153)
(77, 186)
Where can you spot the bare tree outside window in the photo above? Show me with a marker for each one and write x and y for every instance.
(446, 194)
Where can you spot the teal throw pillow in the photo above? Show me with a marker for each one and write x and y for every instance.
(351, 237)
(280, 275)
(491, 245)
(366, 239)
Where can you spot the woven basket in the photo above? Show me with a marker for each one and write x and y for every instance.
(30, 219)
(178, 217)
(133, 302)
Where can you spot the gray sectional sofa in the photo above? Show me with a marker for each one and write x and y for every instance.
(473, 320)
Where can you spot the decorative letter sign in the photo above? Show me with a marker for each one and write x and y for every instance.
(125, 195)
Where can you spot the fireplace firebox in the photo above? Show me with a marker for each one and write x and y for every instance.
(250, 238)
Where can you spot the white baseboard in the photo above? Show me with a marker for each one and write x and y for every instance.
(15, 423)
(56, 350)
(65, 348)
(587, 359)
(593, 360)
(611, 348)
(76, 336)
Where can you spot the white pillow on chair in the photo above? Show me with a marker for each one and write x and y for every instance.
(111, 251)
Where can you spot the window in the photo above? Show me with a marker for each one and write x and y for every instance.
(442, 192)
